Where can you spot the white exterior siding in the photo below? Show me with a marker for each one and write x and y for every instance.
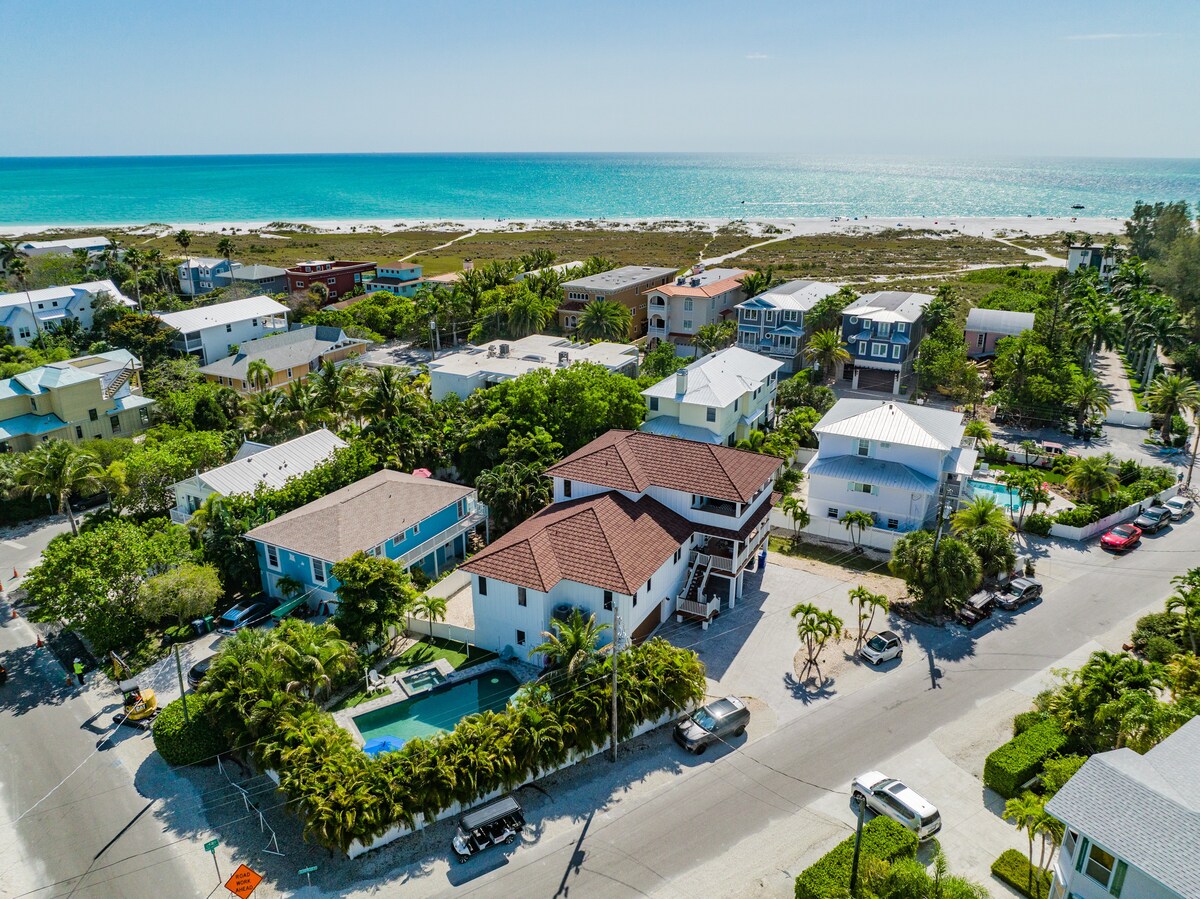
(1081, 886)
(499, 615)
(675, 500)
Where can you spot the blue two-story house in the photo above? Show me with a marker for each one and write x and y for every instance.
(400, 279)
(882, 332)
(416, 521)
(203, 274)
(773, 324)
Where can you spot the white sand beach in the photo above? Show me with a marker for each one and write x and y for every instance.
(986, 226)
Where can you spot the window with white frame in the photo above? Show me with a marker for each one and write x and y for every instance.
(862, 348)
(901, 327)
(687, 324)
(791, 315)
(883, 329)
(653, 404)
(318, 571)
(831, 512)
(896, 351)
(1103, 867)
(688, 305)
(862, 487)
(864, 447)
(710, 414)
(273, 557)
(750, 315)
(981, 340)
(879, 350)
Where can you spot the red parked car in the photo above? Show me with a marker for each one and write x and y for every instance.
(1121, 538)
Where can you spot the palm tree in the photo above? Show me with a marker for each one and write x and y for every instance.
(431, 608)
(1028, 812)
(1158, 327)
(183, 237)
(226, 247)
(571, 645)
(710, 338)
(386, 395)
(828, 350)
(1090, 477)
(758, 281)
(136, 262)
(982, 512)
(18, 270)
(530, 313)
(513, 491)
(1186, 603)
(337, 389)
(855, 522)
(1140, 720)
(605, 320)
(259, 374)
(1097, 325)
(9, 252)
(815, 628)
(994, 548)
(864, 599)
(1172, 395)
(1030, 448)
(978, 428)
(1088, 396)
(796, 511)
(302, 403)
(59, 470)
(265, 413)
(753, 441)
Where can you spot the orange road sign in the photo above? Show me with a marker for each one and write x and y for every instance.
(243, 882)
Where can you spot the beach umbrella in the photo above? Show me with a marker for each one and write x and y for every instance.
(380, 745)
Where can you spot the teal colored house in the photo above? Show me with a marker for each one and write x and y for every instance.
(400, 279)
(416, 521)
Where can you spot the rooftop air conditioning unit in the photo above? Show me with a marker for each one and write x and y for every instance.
(491, 352)
(679, 282)
(695, 282)
(504, 351)
(564, 358)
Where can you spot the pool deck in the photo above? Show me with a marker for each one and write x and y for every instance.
(397, 693)
(1058, 503)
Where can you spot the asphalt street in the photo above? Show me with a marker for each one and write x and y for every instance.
(658, 846)
(72, 822)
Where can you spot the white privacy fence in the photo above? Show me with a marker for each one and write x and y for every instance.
(1088, 531)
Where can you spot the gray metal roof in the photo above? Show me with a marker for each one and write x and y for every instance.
(219, 314)
(880, 472)
(800, 295)
(718, 378)
(1145, 809)
(890, 306)
(893, 422)
(620, 278)
(274, 465)
(999, 321)
(288, 349)
(257, 272)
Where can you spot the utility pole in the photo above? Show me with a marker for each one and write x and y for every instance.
(862, 808)
(182, 691)
(615, 652)
(940, 515)
(432, 338)
(1195, 446)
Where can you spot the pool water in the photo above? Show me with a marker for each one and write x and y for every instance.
(999, 492)
(440, 709)
(422, 680)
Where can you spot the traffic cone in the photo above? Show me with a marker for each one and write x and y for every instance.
(14, 613)
(15, 575)
(40, 644)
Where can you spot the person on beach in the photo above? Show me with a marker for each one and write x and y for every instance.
(79, 671)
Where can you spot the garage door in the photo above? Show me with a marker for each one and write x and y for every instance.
(874, 379)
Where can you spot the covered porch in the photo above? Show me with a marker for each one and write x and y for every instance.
(717, 571)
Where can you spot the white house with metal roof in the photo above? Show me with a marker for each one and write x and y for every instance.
(773, 324)
(256, 465)
(882, 331)
(986, 327)
(213, 332)
(1132, 823)
(719, 398)
(891, 460)
(64, 246)
(26, 313)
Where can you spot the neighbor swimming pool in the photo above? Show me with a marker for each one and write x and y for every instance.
(440, 709)
(999, 492)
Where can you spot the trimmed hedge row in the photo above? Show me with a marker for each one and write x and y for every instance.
(882, 838)
(1013, 868)
(186, 744)
(1021, 758)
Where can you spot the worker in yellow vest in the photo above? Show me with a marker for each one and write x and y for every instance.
(79, 671)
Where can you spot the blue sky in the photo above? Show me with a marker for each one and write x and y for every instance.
(875, 77)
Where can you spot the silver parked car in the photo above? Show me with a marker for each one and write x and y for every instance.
(726, 717)
(883, 646)
(888, 796)
(1180, 507)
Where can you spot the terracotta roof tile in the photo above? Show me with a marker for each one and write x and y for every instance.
(635, 460)
(606, 541)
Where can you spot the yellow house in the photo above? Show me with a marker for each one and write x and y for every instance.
(87, 398)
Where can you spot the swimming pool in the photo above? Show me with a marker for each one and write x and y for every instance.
(422, 680)
(999, 492)
(439, 709)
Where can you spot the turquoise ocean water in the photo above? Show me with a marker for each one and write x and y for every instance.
(129, 190)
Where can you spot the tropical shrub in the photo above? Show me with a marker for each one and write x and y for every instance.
(1026, 720)
(1014, 869)
(1019, 760)
(1038, 523)
(194, 742)
(1160, 649)
(345, 796)
(995, 454)
(882, 839)
(1161, 626)
(1058, 771)
(1078, 517)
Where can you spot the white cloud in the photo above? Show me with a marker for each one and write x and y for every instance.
(757, 56)
(1114, 36)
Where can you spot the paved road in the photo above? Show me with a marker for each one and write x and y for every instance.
(657, 847)
(49, 733)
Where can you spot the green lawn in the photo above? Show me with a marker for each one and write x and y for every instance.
(358, 697)
(819, 553)
(1049, 476)
(427, 650)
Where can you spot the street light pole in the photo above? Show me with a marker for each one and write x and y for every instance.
(862, 808)
(1195, 446)
(616, 648)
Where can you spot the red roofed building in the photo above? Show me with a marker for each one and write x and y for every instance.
(705, 296)
(641, 526)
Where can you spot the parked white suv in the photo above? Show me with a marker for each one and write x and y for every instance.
(888, 796)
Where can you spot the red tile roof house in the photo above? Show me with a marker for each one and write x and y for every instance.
(641, 526)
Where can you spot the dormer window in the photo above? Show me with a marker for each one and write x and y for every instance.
(864, 447)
